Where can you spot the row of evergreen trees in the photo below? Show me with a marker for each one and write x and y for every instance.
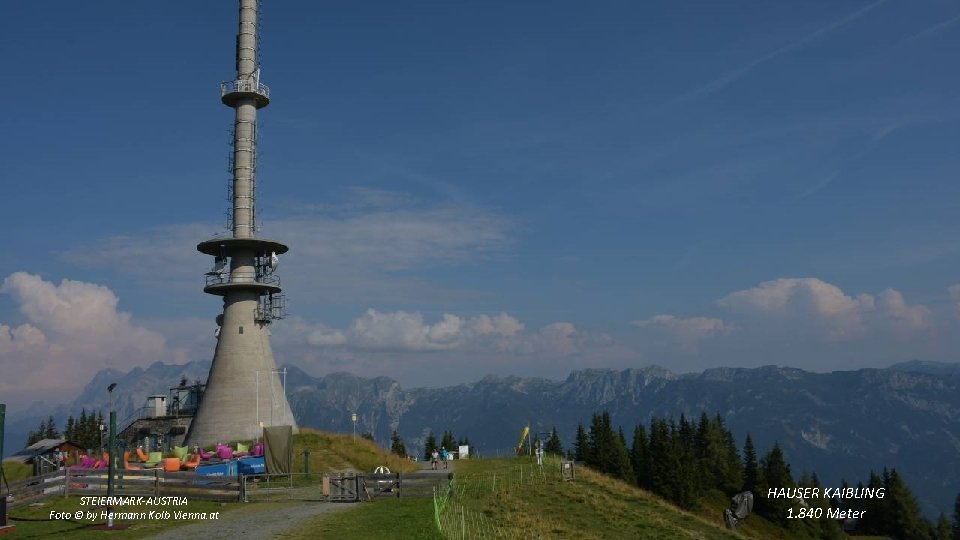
(686, 462)
(85, 431)
(447, 441)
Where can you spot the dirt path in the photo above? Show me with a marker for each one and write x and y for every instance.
(260, 520)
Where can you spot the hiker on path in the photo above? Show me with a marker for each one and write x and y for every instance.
(433, 459)
(445, 456)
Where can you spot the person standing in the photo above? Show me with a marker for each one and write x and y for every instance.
(444, 455)
(433, 459)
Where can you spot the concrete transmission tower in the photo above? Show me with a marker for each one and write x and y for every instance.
(245, 390)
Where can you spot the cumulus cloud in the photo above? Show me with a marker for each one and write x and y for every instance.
(803, 299)
(813, 304)
(73, 330)
(686, 332)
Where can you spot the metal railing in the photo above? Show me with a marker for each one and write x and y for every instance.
(221, 278)
(244, 86)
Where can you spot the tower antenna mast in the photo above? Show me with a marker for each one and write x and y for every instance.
(234, 406)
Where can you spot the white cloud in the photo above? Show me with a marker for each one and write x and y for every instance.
(409, 331)
(803, 300)
(451, 348)
(401, 330)
(687, 332)
(811, 304)
(74, 330)
(805, 322)
(356, 250)
(893, 312)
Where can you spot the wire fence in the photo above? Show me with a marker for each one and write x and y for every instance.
(457, 519)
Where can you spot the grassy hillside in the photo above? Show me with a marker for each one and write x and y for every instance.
(513, 498)
(339, 452)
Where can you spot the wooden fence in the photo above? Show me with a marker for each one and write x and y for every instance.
(151, 483)
(346, 487)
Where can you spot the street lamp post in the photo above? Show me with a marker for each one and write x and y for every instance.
(112, 445)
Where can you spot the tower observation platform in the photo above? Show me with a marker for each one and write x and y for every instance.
(244, 390)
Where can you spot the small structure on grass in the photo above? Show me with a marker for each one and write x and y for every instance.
(48, 455)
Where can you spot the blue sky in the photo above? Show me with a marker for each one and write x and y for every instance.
(483, 187)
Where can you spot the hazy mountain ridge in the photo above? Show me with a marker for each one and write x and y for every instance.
(839, 424)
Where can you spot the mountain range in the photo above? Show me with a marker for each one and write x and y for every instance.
(841, 424)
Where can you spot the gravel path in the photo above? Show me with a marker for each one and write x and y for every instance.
(260, 520)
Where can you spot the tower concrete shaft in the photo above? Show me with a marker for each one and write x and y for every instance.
(245, 391)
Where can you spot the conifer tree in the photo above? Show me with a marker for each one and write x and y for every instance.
(731, 475)
(429, 446)
(622, 467)
(600, 456)
(448, 440)
(750, 466)
(396, 444)
(581, 444)
(944, 530)
(640, 455)
(553, 445)
(69, 429)
(51, 431)
(774, 472)
(905, 517)
(686, 482)
(662, 459)
(956, 518)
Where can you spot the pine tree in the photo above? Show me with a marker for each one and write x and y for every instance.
(429, 446)
(396, 444)
(581, 444)
(750, 466)
(553, 445)
(448, 441)
(956, 518)
(906, 519)
(663, 466)
(686, 484)
(640, 455)
(875, 510)
(944, 531)
(51, 431)
(600, 456)
(731, 476)
(622, 468)
(81, 425)
(774, 472)
(69, 431)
